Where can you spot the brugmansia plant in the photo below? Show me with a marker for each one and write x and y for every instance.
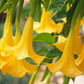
(58, 25)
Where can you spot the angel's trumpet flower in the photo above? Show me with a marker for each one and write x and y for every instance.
(80, 60)
(15, 67)
(77, 40)
(6, 23)
(18, 68)
(47, 24)
(66, 63)
(7, 39)
(7, 35)
(25, 48)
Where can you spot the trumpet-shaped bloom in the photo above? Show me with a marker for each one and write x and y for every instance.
(66, 63)
(18, 68)
(24, 48)
(7, 39)
(77, 40)
(47, 24)
(80, 60)
(10, 64)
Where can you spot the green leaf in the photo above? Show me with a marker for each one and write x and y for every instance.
(70, 13)
(53, 53)
(2, 2)
(8, 5)
(78, 10)
(44, 37)
(42, 50)
(52, 2)
(56, 7)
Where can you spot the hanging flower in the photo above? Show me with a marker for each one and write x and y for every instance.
(77, 40)
(47, 24)
(24, 48)
(18, 68)
(7, 39)
(66, 63)
(80, 60)
(9, 63)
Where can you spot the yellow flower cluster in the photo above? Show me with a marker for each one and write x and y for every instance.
(14, 50)
(71, 45)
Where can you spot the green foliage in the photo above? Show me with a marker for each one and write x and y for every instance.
(2, 2)
(70, 13)
(8, 5)
(53, 53)
(56, 7)
(44, 37)
(25, 11)
(42, 50)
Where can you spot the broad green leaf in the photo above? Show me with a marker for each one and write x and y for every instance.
(56, 7)
(53, 53)
(42, 50)
(44, 37)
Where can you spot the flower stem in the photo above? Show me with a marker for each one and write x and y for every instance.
(49, 77)
(19, 10)
(34, 75)
(65, 80)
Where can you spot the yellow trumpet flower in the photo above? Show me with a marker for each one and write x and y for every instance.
(77, 40)
(10, 64)
(18, 68)
(66, 63)
(6, 39)
(7, 35)
(80, 60)
(24, 48)
(47, 24)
